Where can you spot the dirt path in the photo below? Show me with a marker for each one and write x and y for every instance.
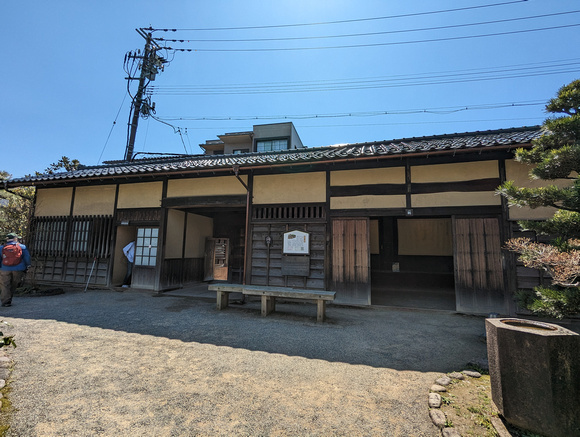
(91, 364)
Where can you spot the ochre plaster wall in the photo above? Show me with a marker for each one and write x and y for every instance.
(425, 237)
(454, 198)
(53, 202)
(356, 202)
(222, 185)
(461, 171)
(141, 195)
(174, 237)
(290, 188)
(95, 200)
(519, 173)
(198, 229)
(394, 175)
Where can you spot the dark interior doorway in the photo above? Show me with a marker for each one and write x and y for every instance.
(412, 262)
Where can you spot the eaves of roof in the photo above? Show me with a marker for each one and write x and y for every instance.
(453, 143)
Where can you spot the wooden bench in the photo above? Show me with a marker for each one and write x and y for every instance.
(269, 295)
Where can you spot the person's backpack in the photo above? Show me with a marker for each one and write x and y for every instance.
(11, 254)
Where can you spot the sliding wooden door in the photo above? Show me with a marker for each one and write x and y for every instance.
(351, 261)
(479, 277)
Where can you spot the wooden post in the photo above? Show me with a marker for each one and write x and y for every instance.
(222, 299)
(321, 308)
(268, 304)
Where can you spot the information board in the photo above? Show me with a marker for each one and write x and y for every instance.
(296, 243)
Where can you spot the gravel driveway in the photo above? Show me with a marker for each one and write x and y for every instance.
(137, 364)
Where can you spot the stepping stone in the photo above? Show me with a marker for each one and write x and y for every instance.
(444, 380)
(457, 375)
(434, 400)
(438, 388)
(472, 373)
(438, 418)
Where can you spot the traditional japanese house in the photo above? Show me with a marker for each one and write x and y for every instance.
(413, 222)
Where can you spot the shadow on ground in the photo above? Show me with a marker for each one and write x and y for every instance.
(419, 340)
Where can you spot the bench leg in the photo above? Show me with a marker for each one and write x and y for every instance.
(222, 299)
(268, 305)
(321, 308)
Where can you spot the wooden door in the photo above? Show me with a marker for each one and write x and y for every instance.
(351, 277)
(479, 276)
(217, 254)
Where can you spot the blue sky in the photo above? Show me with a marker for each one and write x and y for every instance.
(65, 90)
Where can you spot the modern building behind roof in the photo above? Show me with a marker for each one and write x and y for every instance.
(263, 138)
(411, 222)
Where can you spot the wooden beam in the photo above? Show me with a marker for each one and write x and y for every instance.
(201, 201)
(370, 189)
(489, 184)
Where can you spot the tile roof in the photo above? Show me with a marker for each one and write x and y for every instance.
(184, 163)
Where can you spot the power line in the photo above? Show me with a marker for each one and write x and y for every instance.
(392, 43)
(388, 32)
(438, 111)
(536, 119)
(533, 65)
(355, 20)
(462, 76)
(111, 130)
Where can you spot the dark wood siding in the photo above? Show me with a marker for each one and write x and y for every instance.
(266, 261)
(177, 272)
(72, 270)
(73, 249)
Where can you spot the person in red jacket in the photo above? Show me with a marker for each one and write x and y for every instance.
(15, 262)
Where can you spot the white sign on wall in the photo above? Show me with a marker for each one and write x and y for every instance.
(296, 243)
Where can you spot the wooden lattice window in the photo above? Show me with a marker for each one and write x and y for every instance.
(49, 236)
(146, 247)
(79, 236)
(289, 212)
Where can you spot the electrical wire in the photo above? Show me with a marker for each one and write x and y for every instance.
(537, 120)
(176, 129)
(352, 35)
(112, 127)
(383, 44)
(436, 78)
(438, 111)
(354, 20)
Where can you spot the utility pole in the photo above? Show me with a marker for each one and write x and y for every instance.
(149, 63)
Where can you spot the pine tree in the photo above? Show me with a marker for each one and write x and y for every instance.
(555, 155)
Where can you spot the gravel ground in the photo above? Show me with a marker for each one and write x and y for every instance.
(137, 364)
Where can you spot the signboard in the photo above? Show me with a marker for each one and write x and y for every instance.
(296, 243)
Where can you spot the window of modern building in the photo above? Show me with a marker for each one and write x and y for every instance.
(238, 151)
(271, 145)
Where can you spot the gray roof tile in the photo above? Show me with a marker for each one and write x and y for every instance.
(151, 166)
